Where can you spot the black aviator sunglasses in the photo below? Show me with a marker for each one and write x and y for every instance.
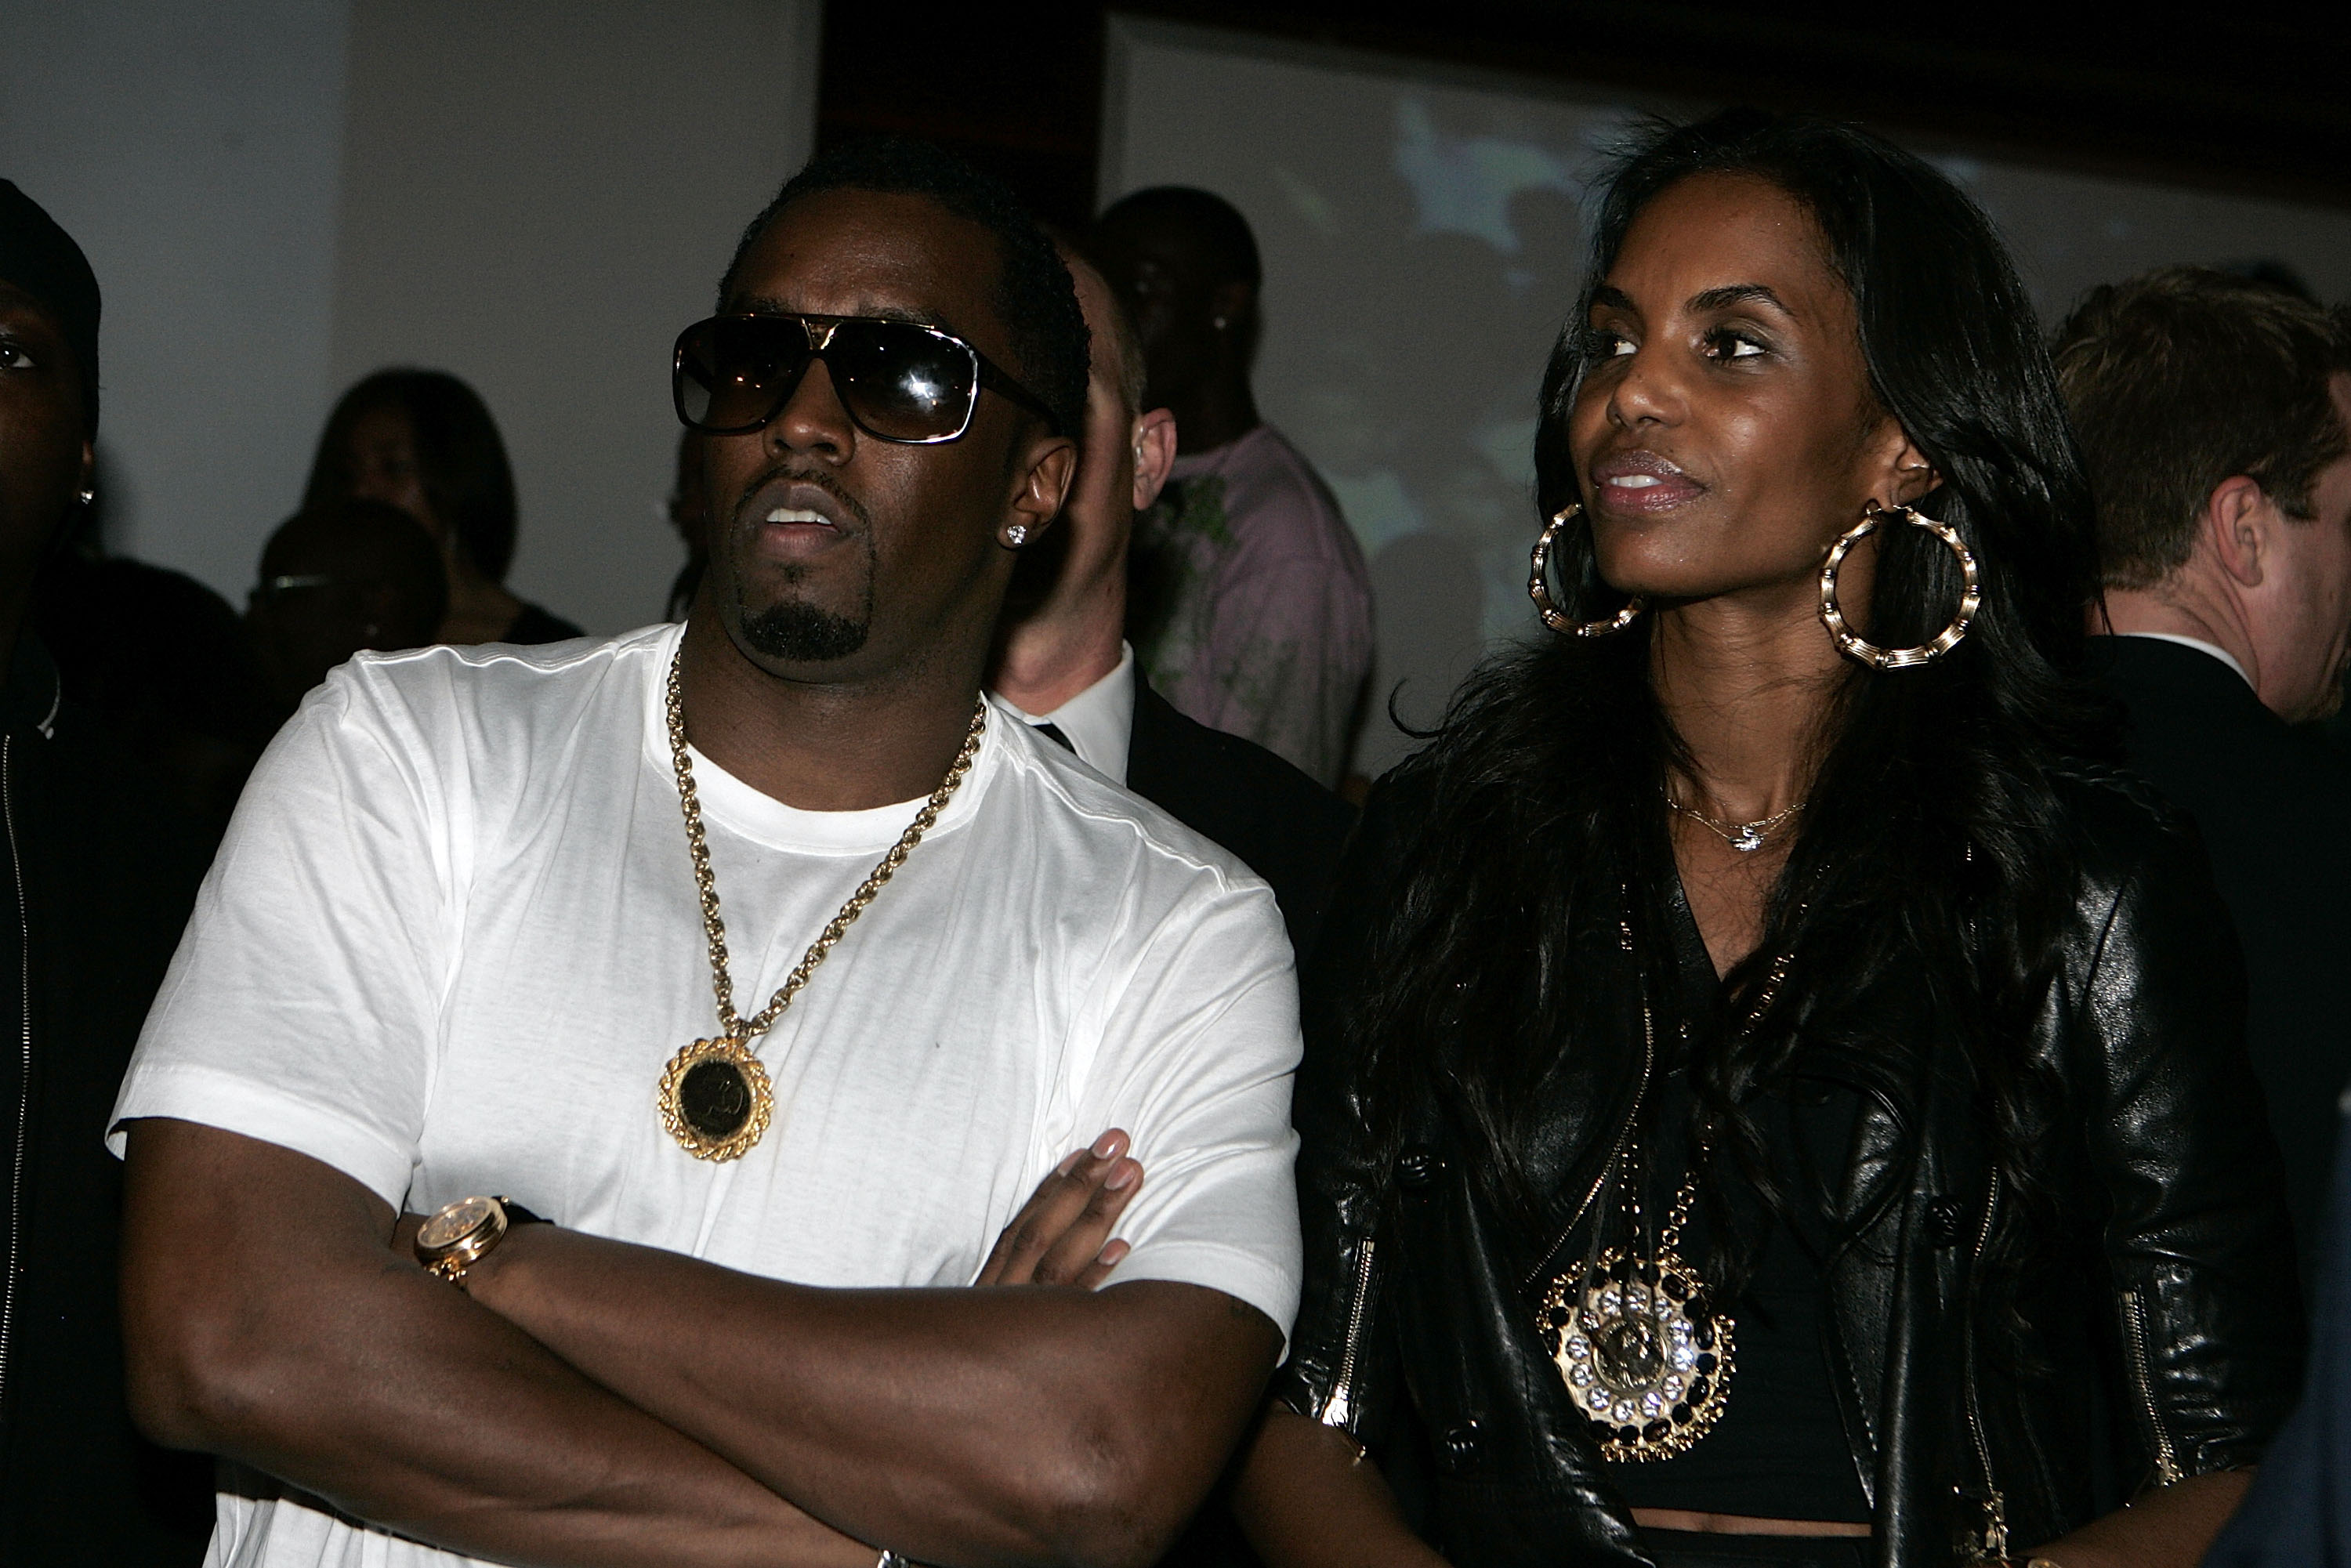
(898, 380)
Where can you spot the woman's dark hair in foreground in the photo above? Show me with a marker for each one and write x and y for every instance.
(464, 464)
(1931, 831)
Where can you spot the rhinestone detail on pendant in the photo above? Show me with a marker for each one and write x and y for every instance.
(1642, 1357)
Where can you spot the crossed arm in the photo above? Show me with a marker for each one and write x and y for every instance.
(593, 1402)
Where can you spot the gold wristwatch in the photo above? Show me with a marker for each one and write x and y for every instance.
(460, 1234)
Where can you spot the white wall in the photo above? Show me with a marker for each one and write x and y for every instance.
(280, 195)
(539, 196)
(193, 151)
(1422, 238)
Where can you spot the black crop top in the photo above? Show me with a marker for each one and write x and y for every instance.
(1780, 1449)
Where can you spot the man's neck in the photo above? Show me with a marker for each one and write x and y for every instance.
(844, 746)
(1220, 412)
(1071, 643)
(2166, 611)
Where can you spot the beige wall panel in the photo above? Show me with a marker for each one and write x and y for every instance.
(536, 195)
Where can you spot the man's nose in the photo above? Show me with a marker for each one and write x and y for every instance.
(813, 418)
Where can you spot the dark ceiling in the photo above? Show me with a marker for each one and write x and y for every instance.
(2255, 99)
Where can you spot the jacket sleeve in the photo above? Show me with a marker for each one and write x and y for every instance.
(2198, 1245)
(1340, 1372)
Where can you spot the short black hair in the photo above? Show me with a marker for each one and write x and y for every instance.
(1213, 227)
(1034, 293)
(2183, 377)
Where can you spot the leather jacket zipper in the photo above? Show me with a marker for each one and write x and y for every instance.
(24, 1084)
(2167, 1464)
(1608, 1165)
(1988, 1541)
(1339, 1410)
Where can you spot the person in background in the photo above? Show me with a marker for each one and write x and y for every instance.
(100, 872)
(1253, 606)
(423, 440)
(360, 575)
(164, 659)
(1062, 660)
(688, 511)
(2214, 414)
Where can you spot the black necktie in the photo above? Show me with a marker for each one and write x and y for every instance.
(1052, 732)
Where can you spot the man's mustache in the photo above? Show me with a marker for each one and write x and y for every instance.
(791, 474)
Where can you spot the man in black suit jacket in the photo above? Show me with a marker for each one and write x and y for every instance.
(1063, 659)
(2215, 415)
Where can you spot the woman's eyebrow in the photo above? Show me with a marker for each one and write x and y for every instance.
(1732, 294)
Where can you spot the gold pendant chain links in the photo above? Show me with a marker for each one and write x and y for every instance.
(721, 980)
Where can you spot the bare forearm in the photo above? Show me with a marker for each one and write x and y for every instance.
(318, 1356)
(1308, 1499)
(2171, 1527)
(968, 1426)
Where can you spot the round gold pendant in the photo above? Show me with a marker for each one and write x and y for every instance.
(716, 1100)
(1642, 1357)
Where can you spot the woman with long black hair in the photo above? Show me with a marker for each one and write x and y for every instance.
(1773, 1095)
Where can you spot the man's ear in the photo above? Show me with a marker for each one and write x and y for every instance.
(1044, 486)
(1155, 454)
(2237, 521)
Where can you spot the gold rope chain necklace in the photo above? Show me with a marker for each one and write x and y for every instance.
(715, 1099)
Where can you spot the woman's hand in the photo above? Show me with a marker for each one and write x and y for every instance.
(2170, 1527)
(1061, 1235)
(1309, 1498)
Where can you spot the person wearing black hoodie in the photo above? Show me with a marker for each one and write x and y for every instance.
(100, 869)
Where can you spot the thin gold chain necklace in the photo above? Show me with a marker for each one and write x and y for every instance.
(715, 1099)
(1744, 837)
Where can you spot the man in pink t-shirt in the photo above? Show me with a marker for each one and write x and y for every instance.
(1251, 608)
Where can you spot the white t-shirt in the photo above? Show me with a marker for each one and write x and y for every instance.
(451, 940)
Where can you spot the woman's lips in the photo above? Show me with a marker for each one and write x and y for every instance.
(1641, 482)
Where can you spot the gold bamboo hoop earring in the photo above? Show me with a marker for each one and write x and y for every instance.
(1851, 642)
(1539, 587)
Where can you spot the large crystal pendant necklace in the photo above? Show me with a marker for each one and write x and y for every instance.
(715, 1099)
(1635, 1337)
(1643, 1355)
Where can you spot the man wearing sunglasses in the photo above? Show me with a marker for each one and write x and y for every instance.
(476, 949)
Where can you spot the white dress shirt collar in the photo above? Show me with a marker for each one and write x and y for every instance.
(1100, 721)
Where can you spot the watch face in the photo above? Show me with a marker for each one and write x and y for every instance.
(454, 1223)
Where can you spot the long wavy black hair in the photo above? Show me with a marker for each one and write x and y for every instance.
(1931, 841)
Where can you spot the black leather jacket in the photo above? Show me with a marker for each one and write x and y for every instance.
(2172, 1331)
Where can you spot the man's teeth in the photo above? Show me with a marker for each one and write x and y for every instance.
(797, 515)
(1635, 481)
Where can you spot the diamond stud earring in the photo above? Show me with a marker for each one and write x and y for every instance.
(87, 497)
(1017, 535)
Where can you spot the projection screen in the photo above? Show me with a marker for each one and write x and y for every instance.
(1422, 236)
